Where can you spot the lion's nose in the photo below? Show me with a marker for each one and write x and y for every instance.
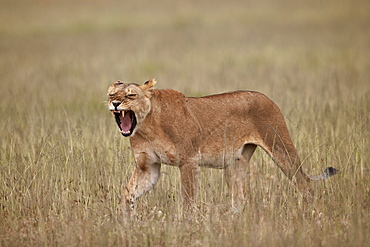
(115, 104)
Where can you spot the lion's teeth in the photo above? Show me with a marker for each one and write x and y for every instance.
(117, 111)
(125, 132)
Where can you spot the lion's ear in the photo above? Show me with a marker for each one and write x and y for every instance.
(116, 83)
(148, 87)
(113, 85)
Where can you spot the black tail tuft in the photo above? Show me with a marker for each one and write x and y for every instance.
(328, 172)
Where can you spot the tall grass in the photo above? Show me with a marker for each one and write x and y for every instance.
(63, 164)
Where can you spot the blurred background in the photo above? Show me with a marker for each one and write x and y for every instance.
(197, 47)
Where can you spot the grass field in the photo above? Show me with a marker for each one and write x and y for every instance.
(63, 164)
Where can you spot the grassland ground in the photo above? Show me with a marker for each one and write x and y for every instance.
(63, 164)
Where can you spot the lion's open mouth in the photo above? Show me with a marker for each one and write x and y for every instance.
(126, 121)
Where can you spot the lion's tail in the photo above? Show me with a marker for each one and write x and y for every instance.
(328, 172)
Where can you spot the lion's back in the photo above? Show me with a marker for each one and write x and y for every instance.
(239, 104)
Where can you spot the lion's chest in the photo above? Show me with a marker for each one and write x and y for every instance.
(165, 153)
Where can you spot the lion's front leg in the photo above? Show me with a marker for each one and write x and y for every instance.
(189, 182)
(143, 179)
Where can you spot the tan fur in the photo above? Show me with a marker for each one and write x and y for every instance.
(218, 131)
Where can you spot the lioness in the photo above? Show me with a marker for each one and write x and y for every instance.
(218, 131)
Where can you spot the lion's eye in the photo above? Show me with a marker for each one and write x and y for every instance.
(131, 96)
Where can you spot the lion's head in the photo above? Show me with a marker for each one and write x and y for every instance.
(129, 104)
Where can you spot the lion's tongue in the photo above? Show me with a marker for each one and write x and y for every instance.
(126, 121)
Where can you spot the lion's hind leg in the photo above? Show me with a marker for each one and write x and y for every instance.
(279, 146)
(235, 176)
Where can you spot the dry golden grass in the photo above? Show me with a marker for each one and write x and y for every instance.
(63, 164)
